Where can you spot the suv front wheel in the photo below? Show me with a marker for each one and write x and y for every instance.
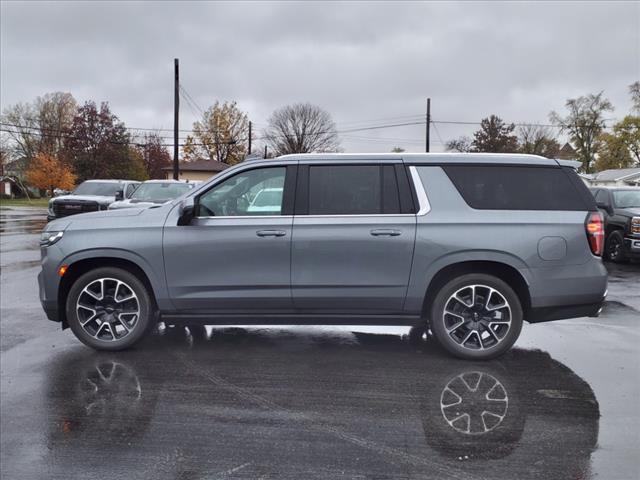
(109, 308)
(476, 316)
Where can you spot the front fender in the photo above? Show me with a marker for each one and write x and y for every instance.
(155, 275)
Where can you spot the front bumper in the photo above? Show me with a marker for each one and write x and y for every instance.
(632, 247)
(49, 305)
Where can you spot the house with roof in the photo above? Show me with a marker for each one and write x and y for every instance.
(618, 177)
(200, 170)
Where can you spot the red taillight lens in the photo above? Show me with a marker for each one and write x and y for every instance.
(594, 226)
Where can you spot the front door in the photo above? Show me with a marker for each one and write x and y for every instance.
(235, 256)
(352, 240)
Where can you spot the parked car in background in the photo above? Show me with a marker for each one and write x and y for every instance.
(90, 196)
(466, 245)
(267, 200)
(621, 209)
(154, 192)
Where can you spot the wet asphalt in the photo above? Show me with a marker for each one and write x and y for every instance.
(306, 403)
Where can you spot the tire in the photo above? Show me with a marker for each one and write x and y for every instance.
(480, 332)
(615, 247)
(100, 309)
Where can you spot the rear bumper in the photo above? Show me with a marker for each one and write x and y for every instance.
(568, 291)
(547, 314)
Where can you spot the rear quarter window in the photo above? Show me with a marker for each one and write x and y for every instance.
(498, 187)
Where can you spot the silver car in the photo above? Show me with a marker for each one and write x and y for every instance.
(466, 246)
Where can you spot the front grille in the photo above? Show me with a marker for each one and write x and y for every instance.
(64, 209)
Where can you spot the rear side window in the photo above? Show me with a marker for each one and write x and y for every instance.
(353, 190)
(497, 187)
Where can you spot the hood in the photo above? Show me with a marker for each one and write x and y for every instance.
(629, 212)
(132, 204)
(84, 198)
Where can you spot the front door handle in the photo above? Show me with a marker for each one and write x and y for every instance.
(271, 233)
(385, 232)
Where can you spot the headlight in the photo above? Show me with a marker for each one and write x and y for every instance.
(51, 212)
(635, 225)
(49, 238)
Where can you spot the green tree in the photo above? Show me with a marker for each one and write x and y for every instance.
(397, 150)
(584, 123)
(613, 153)
(495, 136)
(628, 131)
(98, 144)
(221, 134)
(136, 168)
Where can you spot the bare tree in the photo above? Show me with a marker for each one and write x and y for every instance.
(301, 128)
(41, 126)
(584, 123)
(634, 91)
(462, 144)
(538, 140)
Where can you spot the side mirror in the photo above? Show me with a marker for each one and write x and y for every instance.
(187, 211)
(604, 206)
(119, 195)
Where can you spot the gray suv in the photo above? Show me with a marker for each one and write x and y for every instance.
(466, 245)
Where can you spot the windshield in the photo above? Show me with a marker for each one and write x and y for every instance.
(627, 198)
(160, 192)
(104, 189)
(267, 198)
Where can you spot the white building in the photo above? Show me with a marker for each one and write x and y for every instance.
(620, 177)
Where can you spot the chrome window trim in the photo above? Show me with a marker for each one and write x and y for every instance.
(425, 206)
(243, 216)
(313, 216)
(352, 215)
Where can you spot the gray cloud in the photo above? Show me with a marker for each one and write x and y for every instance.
(365, 63)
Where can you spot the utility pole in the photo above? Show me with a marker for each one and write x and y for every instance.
(428, 125)
(265, 152)
(176, 108)
(249, 137)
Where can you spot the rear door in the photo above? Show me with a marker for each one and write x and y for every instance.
(353, 237)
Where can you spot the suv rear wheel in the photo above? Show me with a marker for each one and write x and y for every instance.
(476, 316)
(109, 308)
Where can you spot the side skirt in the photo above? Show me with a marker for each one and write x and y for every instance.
(289, 319)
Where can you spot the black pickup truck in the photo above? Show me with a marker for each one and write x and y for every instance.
(621, 209)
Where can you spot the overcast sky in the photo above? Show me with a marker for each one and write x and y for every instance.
(367, 63)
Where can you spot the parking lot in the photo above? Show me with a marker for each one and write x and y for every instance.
(304, 403)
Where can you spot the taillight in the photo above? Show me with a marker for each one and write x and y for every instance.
(594, 226)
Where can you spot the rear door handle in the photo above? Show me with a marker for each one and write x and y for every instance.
(271, 233)
(385, 232)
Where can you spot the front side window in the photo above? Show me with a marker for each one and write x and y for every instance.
(352, 190)
(252, 192)
(130, 188)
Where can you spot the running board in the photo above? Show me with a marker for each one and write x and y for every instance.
(290, 319)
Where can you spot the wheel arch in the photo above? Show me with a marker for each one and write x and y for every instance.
(511, 275)
(83, 265)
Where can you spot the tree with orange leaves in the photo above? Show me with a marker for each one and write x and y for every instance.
(47, 172)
